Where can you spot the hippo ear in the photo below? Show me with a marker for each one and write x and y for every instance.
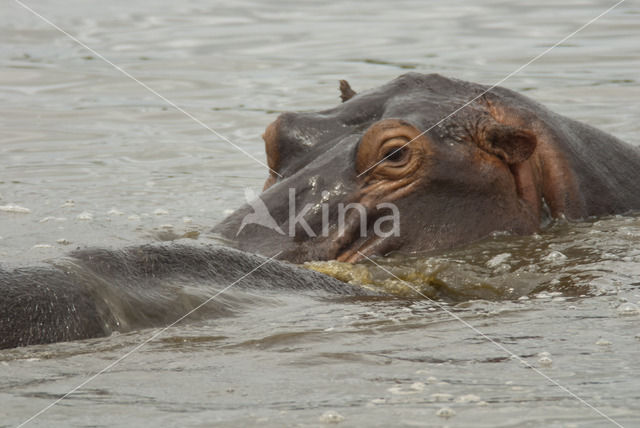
(346, 92)
(511, 144)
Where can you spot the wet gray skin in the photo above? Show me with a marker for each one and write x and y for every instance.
(502, 163)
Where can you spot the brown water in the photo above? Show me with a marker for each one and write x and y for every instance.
(98, 160)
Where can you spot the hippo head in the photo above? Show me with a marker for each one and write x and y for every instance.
(400, 167)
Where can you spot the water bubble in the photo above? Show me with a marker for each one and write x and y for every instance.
(331, 417)
(440, 397)
(417, 386)
(545, 362)
(555, 257)
(47, 219)
(446, 412)
(543, 295)
(39, 246)
(468, 398)
(399, 390)
(628, 309)
(498, 260)
(17, 209)
(85, 216)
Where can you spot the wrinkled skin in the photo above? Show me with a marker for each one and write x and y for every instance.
(502, 163)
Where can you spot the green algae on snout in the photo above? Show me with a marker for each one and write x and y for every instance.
(416, 277)
(399, 281)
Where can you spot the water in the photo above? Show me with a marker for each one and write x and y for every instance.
(98, 160)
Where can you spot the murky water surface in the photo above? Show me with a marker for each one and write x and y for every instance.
(89, 157)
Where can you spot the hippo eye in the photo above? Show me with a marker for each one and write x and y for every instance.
(387, 151)
(395, 151)
(396, 154)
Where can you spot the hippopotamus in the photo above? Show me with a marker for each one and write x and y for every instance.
(446, 161)
(419, 164)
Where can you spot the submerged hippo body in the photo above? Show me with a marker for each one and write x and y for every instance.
(455, 160)
(95, 292)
